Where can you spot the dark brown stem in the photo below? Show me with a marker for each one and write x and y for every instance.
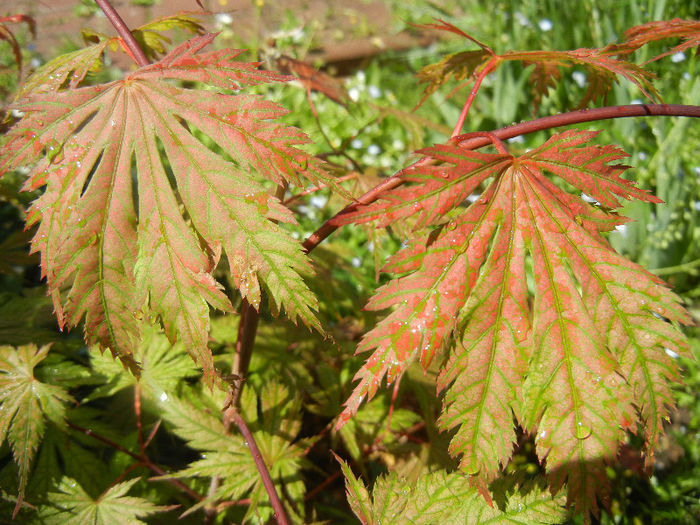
(247, 330)
(523, 128)
(142, 459)
(232, 414)
(135, 50)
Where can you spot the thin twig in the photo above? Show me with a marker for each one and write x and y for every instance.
(280, 514)
(469, 142)
(145, 461)
(472, 95)
(136, 52)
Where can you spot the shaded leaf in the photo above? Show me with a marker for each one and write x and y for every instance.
(576, 357)
(24, 403)
(150, 38)
(163, 366)
(227, 455)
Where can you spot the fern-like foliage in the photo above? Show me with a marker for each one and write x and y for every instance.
(228, 457)
(603, 66)
(147, 183)
(71, 505)
(542, 320)
(25, 403)
(439, 497)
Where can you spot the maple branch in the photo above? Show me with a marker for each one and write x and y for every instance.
(472, 95)
(469, 141)
(140, 458)
(232, 414)
(124, 32)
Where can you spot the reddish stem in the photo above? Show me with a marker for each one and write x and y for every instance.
(523, 128)
(280, 514)
(472, 94)
(136, 52)
(143, 460)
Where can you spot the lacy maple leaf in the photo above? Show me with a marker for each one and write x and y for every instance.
(544, 322)
(147, 182)
(603, 67)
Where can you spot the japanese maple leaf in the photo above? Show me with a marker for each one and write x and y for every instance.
(542, 320)
(603, 67)
(147, 182)
(638, 36)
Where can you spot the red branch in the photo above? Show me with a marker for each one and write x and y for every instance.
(135, 50)
(469, 141)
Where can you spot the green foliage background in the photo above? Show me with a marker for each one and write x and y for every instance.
(298, 381)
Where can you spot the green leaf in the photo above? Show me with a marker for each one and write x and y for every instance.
(441, 497)
(163, 366)
(149, 36)
(24, 403)
(228, 457)
(73, 506)
(69, 69)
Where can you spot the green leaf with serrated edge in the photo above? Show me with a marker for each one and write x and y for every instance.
(356, 493)
(163, 366)
(228, 456)
(73, 506)
(150, 38)
(575, 358)
(439, 497)
(69, 69)
(24, 403)
(137, 211)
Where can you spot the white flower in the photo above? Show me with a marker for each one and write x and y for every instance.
(545, 24)
(678, 57)
(374, 92)
(579, 77)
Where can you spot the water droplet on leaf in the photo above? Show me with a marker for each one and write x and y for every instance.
(582, 431)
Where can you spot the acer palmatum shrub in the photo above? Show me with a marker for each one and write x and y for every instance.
(510, 352)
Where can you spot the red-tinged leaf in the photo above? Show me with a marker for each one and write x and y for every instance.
(603, 68)
(313, 79)
(67, 70)
(137, 209)
(576, 356)
(638, 36)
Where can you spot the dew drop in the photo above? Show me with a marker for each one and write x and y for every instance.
(582, 431)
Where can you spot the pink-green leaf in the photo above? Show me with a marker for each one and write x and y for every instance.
(139, 205)
(543, 323)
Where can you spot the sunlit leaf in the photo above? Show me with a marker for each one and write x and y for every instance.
(543, 322)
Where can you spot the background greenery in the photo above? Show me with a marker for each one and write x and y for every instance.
(309, 377)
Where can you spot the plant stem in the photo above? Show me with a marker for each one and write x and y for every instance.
(232, 414)
(469, 141)
(135, 50)
(247, 330)
(142, 459)
(472, 95)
